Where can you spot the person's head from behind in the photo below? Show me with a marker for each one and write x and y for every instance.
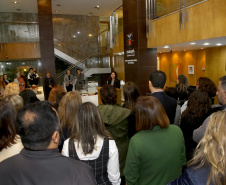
(7, 125)
(68, 72)
(221, 90)
(157, 80)
(198, 105)
(211, 150)
(182, 82)
(55, 91)
(190, 90)
(38, 126)
(149, 113)
(108, 94)
(16, 101)
(12, 89)
(68, 109)
(172, 92)
(206, 84)
(89, 127)
(113, 75)
(131, 93)
(28, 96)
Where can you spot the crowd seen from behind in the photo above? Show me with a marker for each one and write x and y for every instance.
(175, 135)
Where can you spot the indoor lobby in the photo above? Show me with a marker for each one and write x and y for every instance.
(101, 66)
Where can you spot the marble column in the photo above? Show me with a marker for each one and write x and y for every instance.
(46, 37)
(139, 60)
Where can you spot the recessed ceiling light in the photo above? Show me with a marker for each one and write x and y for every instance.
(192, 43)
(15, 2)
(74, 36)
(160, 52)
(218, 44)
(166, 47)
(78, 32)
(206, 44)
(56, 11)
(201, 48)
(184, 50)
(90, 35)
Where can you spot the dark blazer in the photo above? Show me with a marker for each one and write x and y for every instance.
(116, 83)
(44, 167)
(193, 176)
(168, 103)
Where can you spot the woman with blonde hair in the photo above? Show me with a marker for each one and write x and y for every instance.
(67, 111)
(208, 166)
(16, 101)
(12, 89)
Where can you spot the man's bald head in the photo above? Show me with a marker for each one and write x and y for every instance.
(36, 123)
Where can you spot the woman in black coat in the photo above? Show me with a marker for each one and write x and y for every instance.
(48, 85)
(114, 80)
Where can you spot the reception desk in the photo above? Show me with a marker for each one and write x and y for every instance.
(119, 91)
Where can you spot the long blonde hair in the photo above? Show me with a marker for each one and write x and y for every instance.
(211, 150)
(68, 109)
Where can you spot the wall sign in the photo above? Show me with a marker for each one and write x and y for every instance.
(130, 51)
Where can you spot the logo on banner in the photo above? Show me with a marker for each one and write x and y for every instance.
(130, 40)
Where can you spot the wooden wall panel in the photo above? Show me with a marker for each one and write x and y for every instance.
(206, 20)
(119, 45)
(196, 58)
(21, 51)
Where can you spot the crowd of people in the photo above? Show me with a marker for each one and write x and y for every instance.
(175, 135)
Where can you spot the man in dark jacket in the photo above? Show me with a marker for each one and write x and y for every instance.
(48, 85)
(156, 84)
(40, 161)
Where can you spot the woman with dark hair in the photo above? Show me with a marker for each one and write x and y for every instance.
(48, 85)
(182, 85)
(28, 96)
(92, 144)
(156, 153)
(67, 111)
(10, 143)
(206, 84)
(131, 94)
(6, 80)
(116, 120)
(197, 111)
(208, 166)
(114, 80)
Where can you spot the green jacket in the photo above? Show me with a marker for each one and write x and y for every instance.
(116, 121)
(155, 157)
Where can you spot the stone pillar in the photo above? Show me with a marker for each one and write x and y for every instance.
(46, 37)
(139, 60)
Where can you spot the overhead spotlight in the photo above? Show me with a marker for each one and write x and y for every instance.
(201, 48)
(78, 32)
(192, 43)
(206, 44)
(56, 11)
(166, 47)
(15, 2)
(90, 35)
(74, 36)
(98, 5)
(219, 44)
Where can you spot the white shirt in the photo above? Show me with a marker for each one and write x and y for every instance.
(12, 150)
(113, 162)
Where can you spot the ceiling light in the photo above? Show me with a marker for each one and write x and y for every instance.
(160, 52)
(15, 2)
(98, 5)
(56, 11)
(201, 48)
(206, 44)
(78, 32)
(218, 44)
(90, 35)
(74, 36)
(166, 47)
(192, 43)
(184, 50)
